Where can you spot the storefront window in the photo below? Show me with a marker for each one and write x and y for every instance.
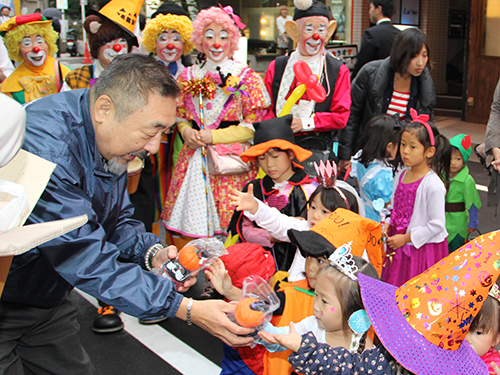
(261, 20)
(341, 11)
(491, 46)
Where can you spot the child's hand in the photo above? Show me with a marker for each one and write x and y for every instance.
(398, 240)
(471, 230)
(495, 368)
(219, 278)
(244, 201)
(290, 341)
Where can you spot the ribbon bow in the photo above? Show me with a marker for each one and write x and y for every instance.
(223, 149)
(236, 90)
(422, 119)
(237, 20)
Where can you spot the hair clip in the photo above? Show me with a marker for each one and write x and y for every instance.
(495, 292)
(422, 119)
(343, 261)
(236, 19)
(326, 176)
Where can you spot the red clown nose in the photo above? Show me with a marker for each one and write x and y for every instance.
(315, 36)
(170, 46)
(117, 48)
(36, 49)
(216, 45)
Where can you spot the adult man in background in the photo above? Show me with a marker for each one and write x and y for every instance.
(91, 135)
(377, 40)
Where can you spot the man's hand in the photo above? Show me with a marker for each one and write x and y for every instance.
(192, 138)
(165, 254)
(296, 125)
(211, 315)
(290, 341)
(244, 201)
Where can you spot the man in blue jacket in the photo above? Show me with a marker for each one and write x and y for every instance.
(92, 134)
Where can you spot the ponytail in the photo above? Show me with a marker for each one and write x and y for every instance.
(441, 160)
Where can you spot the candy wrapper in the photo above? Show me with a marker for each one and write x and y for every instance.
(192, 258)
(256, 305)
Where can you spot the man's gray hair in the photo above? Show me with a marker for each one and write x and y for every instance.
(130, 79)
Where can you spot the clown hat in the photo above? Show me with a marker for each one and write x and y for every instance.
(124, 13)
(424, 322)
(170, 8)
(245, 259)
(310, 8)
(32, 19)
(463, 143)
(337, 229)
(274, 133)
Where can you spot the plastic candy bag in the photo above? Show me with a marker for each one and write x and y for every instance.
(256, 305)
(192, 258)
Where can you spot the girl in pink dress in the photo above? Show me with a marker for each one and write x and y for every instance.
(417, 228)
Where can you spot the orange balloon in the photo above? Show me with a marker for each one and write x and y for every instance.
(188, 258)
(245, 316)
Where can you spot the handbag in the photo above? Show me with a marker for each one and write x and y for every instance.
(224, 159)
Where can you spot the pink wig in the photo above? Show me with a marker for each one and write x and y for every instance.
(214, 14)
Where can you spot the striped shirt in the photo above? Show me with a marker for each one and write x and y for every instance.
(398, 104)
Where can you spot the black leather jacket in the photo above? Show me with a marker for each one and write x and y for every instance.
(371, 93)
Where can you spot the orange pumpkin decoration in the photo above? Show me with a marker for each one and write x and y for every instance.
(188, 258)
(245, 316)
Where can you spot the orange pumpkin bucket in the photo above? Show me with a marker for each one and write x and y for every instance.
(134, 170)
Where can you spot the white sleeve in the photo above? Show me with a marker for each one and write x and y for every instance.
(276, 223)
(5, 63)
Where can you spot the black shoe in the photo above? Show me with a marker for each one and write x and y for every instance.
(107, 320)
(153, 320)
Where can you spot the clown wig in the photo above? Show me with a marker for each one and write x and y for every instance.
(214, 14)
(14, 37)
(163, 23)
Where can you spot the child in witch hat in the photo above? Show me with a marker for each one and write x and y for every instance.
(462, 199)
(316, 245)
(484, 332)
(421, 325)
(285, 186)
(323, 201)
(110, 35)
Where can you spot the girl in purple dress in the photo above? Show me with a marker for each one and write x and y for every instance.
(417, 229)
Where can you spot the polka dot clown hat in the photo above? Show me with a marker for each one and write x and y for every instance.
(424, 322)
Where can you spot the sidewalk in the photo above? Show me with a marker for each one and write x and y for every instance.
(451, 126)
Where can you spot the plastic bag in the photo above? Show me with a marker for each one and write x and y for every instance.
(12, 213)
(192, 258)
(256, 305)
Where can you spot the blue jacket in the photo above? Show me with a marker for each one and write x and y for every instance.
(105, 257)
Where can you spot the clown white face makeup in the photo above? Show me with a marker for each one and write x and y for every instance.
(169, 46)
(216, 43)
(34, 50)
(110, 50)
(312, 35)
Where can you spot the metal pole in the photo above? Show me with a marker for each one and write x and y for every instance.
(82, 5)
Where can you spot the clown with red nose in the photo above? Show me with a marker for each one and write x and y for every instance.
(314, 123)
(31, 40)
(109, 35)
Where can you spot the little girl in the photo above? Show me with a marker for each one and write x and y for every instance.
(370, 166)
(323, 201)
(417, 232)
(484, 332)
(339, 319)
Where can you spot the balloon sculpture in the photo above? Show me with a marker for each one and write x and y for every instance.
(308, 82)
